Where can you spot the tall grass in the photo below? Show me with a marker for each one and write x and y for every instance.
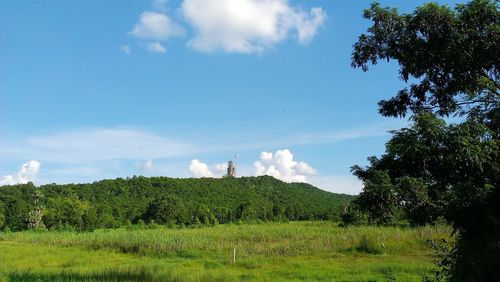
(264, 252)
(267, 239)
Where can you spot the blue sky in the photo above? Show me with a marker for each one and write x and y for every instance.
(105, 89)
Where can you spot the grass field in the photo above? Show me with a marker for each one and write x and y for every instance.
(294, 251)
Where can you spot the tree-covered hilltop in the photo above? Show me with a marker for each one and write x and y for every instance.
(118, 202)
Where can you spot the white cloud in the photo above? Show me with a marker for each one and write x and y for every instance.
(307, 24)
(304, 168)
(103, 144)
(126, 49)
(160, 5)
(156, 26)
(266, 156)
(247, 26)
(347, 184)
(108, 152)
(26, 173)
(282, 166)
(220, 168)
(199, 169)
(155, 47)
(146, 166)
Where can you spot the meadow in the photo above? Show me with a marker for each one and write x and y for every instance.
(294, 251)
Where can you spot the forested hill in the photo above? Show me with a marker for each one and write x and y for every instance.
(118, 202)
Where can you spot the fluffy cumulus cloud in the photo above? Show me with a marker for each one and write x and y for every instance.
(248, 26)
(199, 169)
(281, 165)
(239, 26)
(220, 168)
(26, 173)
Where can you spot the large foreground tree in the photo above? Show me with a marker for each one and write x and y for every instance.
(449, 59)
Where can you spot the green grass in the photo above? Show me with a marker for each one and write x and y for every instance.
(295, 251)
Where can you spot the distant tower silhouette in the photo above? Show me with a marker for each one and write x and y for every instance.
(231, 169)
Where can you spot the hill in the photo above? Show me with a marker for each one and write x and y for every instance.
(118, 202)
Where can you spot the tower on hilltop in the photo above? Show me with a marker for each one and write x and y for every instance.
(231, 169)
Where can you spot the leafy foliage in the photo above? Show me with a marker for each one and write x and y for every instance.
(2, 216)
(450, 59)
(167, 209)
(162, 200)
(449, 56)
(378, 198)
(424, 168)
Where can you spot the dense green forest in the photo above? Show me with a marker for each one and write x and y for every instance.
(162, 200)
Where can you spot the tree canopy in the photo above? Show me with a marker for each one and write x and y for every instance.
(423, 166)
(162, 200)
(449, 58)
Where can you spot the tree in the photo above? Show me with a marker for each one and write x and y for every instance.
(415, 158)
(65, 212)
(166, 209)
(352, 215)
(378, 198)
(34, 220)
(118, 202)
(449, 58)
(2, 216)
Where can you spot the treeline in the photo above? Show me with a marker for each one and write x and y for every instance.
(162, 200)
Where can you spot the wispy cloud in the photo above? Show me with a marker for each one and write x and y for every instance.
(343, 184)
(310, 139)
(160, 5)
(95, 144)
(101, 144)
(155, 47)
(156, 26)
(94, 153)
(126, 49)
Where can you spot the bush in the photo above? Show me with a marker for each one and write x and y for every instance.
(368, 246)
(352, 215)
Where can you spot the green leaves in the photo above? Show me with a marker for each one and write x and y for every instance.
(120, 202)
(378, 198)
(423, 164)
(432, 169)
(453, 56)
(167, 209)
